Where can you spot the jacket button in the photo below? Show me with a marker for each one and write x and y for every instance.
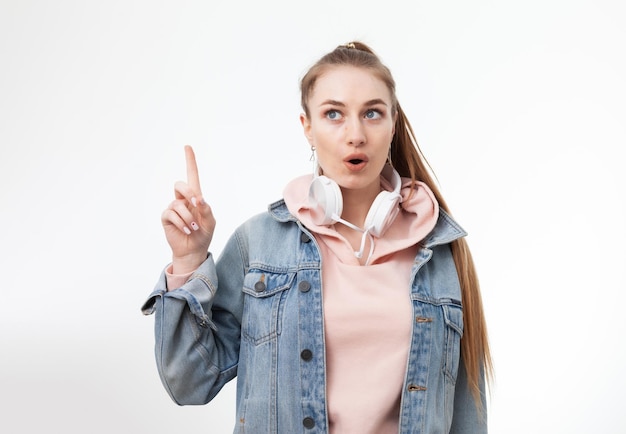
(308, 422)
(259, 286)
(304, 286)
(304, 238)
(416, 388)
(306, 355)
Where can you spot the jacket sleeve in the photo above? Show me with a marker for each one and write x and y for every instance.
(197, 328)
(469, 417)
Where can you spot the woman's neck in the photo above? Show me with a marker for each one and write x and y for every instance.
(357, 203)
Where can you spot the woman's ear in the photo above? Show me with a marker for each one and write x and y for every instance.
(306, 128)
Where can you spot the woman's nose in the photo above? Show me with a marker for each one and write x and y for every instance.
(355, 133)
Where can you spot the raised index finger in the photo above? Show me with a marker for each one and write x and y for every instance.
(193, 180)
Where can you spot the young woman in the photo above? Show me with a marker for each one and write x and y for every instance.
(352, 304)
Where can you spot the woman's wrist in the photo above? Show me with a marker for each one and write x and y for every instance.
(188, 263)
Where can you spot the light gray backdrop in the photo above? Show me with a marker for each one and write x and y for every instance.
(519, 107)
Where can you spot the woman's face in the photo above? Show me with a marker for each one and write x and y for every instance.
(351, 126)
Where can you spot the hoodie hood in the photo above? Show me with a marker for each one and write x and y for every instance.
(416, 219)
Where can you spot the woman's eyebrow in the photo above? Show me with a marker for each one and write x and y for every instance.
(371, 102)
(375, 102)
(332, 102)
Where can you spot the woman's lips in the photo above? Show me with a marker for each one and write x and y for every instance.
(355, 162)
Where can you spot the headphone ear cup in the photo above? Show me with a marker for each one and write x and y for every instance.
(382, 213)
(385, 207)
(325, 200)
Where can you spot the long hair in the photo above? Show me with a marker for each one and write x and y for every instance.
(409, 161)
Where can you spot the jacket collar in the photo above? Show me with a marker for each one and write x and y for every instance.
(279, 211)
(445, 231)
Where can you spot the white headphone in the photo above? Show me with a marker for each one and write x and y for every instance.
(326, 203)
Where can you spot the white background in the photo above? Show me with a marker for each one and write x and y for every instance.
(519, 106)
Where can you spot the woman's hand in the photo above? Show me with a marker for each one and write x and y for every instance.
(188, 221)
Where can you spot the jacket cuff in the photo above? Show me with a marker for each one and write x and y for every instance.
(198, 292)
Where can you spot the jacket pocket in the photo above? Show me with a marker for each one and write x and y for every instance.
(265, 292)
(453, 317)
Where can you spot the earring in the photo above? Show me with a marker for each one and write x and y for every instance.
(389, 156)
(312, 153)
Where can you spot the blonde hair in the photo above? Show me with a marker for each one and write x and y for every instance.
(409, 161)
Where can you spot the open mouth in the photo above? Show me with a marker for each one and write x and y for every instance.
(356, 162)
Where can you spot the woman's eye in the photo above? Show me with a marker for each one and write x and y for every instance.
(333, 115)
(373, 114)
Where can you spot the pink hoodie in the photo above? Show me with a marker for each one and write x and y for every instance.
(367, 311)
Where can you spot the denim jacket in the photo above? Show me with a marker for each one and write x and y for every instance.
(257, 314)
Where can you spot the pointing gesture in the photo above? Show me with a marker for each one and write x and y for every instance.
(193, 180)
(188, 221)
